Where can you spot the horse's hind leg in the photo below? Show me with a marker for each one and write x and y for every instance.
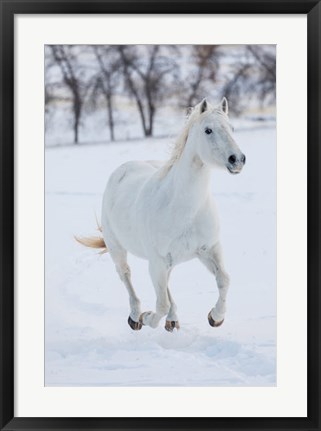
(119, 256)
(213, 260)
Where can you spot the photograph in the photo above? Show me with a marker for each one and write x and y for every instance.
(160, 215)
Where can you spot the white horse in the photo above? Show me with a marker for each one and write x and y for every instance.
(165, 213)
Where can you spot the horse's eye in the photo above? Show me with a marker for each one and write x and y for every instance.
(208, 131)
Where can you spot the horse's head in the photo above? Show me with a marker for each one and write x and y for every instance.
(214, 137)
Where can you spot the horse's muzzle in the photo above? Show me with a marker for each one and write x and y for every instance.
(234, 171)
(236, 164)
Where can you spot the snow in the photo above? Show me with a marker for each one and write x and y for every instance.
(87, 339)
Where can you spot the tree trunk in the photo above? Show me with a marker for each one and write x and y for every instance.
(149, 130)
(151, 114)
(77, 113)
(142, 116)
(110, 117)
(76, 126)
(133, 91)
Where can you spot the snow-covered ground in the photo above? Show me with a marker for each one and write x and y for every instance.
(87, 339)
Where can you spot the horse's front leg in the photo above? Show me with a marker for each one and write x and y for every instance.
(164, 303)
(171, 318)
(212, 258)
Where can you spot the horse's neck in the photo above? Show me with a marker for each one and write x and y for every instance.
(190, 178)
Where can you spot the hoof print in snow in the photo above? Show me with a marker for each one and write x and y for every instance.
(136, 326)
(170, 325)
(212, 322)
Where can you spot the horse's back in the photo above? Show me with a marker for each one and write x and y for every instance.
(118, 209)
(129, 176)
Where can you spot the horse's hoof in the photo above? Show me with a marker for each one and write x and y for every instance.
(170, 325)
(212, 322)
(136, 326)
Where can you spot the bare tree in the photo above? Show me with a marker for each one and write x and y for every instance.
(265, 60)
(152, 76)
(147, 71)
(238, 84)
(73, 79)
(49, 91)
(252, 75)
(204, 65)
(106, 80)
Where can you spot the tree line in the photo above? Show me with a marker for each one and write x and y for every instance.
(149, 74)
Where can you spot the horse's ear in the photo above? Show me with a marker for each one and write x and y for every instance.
(189, 110)
(224, 105)
(203, 107)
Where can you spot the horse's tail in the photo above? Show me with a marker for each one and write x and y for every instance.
(94, 241)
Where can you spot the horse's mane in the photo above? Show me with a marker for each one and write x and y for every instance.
(180, 142)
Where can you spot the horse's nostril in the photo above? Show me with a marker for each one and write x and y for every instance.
(232, 159)
(243, 159)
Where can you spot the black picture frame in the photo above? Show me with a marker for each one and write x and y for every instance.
(9, 8)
